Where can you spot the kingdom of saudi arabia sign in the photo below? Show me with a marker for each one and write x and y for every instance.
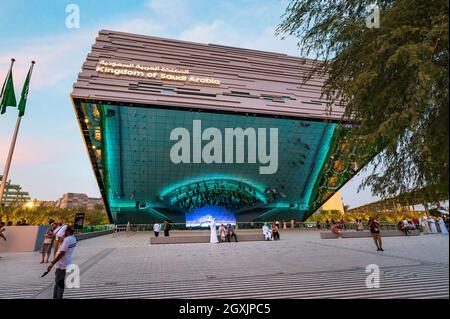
(152, 72)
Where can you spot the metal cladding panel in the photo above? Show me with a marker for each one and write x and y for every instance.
(250, 81)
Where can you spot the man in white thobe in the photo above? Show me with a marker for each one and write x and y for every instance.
(424, 224)
(212, 225)
(266, 232)
(442, 226)
(432, 224)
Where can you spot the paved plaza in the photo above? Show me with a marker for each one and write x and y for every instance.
(301, 265)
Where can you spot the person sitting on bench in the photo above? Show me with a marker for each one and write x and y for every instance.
(401, 227)
(335, 228)
(222, 233)
(275, 232)
(266, 232)
(231, 233)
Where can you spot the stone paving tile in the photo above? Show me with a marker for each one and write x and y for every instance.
(198, 261)
(132, 259)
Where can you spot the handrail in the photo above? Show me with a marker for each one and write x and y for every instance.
(253, 225)
(95, 228)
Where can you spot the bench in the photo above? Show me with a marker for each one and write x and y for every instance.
(183, 239)
(366, 233)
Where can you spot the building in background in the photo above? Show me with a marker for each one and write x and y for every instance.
(334, 203)
(394, 205)
(14, 195)
(79, 200)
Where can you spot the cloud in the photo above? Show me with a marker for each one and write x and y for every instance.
(267, 41)
(176, 11)
(139, 26)
(217, 32)
(57, 58)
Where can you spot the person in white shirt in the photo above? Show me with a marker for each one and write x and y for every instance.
(59, 232)
(266, 232)
(222, 233)
(156, 229)
(62, 260)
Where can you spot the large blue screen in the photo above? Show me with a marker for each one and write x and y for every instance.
(202, 216)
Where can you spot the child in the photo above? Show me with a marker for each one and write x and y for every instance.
(335, 229)
(222, 233)
(360, 225)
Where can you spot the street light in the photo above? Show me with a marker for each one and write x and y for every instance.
(29, 204)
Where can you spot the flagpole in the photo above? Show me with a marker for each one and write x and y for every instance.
(11, 151)
(8, 160)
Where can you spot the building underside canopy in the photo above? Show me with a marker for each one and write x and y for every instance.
(132, 148)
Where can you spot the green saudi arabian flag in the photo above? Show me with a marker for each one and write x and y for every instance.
(24, 95)
(8, 97)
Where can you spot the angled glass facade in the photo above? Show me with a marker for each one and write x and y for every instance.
(132, 147)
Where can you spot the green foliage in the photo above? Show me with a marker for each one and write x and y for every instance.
(42, 215)
(393, 81)
(324, 215)
(385, 216)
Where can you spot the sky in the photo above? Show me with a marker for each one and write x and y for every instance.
(50, 157)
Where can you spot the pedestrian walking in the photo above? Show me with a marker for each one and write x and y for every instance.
(2, 230)
(156, 229)
(167, 228)
(48, 243)
(374, 227)
(62, 261)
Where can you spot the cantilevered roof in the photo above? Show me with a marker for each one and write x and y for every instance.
(250, 80)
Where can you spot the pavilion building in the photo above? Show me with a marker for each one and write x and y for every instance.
(184, 132)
